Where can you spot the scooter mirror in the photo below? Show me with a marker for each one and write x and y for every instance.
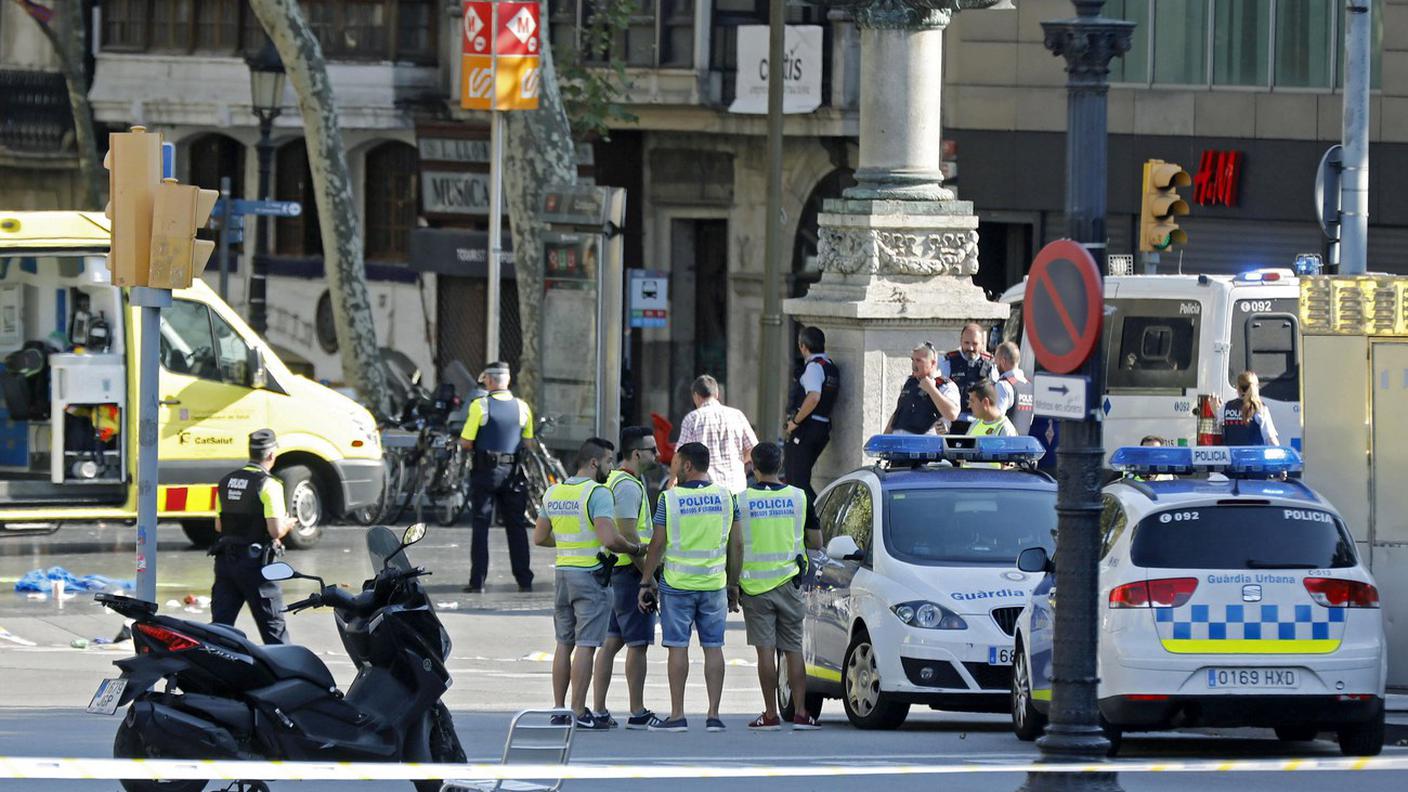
(279, 571)
(414, 533)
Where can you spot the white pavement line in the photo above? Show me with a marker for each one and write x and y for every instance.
(12, 638)
(28, 767)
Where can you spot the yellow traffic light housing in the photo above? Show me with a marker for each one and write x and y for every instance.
(134, 171)
(177, 257)
(1159, 206)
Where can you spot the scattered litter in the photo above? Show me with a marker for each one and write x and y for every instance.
(100, 641)
(40, 580)
(738, 661)
(79, 643)
(538, 657)
(191, 609)
(199, 601)
(12, 638)
(173, 603)
(448, 605)
(37, 596)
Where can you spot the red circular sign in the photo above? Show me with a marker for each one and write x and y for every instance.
(1063, 307)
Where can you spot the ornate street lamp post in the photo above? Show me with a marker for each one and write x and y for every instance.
(266, 93)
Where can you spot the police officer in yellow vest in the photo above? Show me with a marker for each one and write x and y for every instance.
(770, 540)
(694, 523)
(253, 518)
(630, 626)
(577, 518)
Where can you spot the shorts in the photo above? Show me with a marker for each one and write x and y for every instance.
(773, 619)
(681, 610)
(627, 622)
(581, 608)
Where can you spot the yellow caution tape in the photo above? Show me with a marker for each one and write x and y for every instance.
(32, 767)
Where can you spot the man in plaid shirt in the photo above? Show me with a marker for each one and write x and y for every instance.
(725, 431)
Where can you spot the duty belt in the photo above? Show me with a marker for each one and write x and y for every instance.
(497, 458)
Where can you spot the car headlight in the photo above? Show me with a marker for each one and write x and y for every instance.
(1041, 619)
(928, 616)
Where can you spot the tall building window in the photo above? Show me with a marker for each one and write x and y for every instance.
(293, 181)
(659, 34)
(1241, 41)
(357, 30)
(1294, 44)
(215, 156)
(390, 190)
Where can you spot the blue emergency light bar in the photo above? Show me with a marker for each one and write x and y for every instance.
(1233, 461)
(1265, 275)
(933, 448)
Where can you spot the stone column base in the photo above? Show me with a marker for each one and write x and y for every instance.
(894, 274)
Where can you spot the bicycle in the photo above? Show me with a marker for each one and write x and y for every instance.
(539, 468)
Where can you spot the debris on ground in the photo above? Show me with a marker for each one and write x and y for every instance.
(79, 643)
(448, 605)
(43, 581)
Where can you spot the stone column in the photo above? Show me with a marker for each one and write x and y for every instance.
(897, 251)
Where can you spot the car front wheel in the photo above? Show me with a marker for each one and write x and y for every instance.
(866, 705)
(1027, 722)
(307, 505)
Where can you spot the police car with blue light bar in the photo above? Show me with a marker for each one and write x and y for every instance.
(915, 597)
(1231, 595)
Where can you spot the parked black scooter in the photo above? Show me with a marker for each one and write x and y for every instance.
(227, 697)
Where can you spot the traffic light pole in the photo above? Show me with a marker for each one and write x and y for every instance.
(150, 301)
(1354, 177)
(1088, 42)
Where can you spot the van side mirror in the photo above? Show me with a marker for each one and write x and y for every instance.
(843, 548)
(258, 374)
(1035, 559)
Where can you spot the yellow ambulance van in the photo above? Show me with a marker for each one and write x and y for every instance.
(68, 417)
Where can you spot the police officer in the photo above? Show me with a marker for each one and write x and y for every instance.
(771, 516)
(970, 363)
(251, 523)
(1245, 419)
(496, 426)
(926, 400)
(1014, 390)
(578, 518)
(809, 410)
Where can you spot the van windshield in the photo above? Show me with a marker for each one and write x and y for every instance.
(1242, 537)
(1152, 344)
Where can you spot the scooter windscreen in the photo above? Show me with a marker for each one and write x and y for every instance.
(382, 545)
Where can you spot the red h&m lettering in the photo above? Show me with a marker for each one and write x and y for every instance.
(1219, 175)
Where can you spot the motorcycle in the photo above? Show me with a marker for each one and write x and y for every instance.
(226, 697)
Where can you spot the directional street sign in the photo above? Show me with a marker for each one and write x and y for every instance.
(1056, 396)
(1064, 306)
(264, 208)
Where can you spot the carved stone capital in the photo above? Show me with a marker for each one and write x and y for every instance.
(1088, 44)
(904, 14)
(885, 252)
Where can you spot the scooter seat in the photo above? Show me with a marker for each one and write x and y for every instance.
(290, 660)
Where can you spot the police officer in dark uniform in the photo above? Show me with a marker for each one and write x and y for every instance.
(252, 521)
(495, 428)
(1015, 393)
(970, 363)
(809, 411)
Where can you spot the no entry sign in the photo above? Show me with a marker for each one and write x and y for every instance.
(1063, 307)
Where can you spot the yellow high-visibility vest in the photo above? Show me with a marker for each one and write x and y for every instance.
(772, 522)
(644, 527)
(697, 523)
(565, 506)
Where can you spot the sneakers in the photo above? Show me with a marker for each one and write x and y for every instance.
(587, 722)
(605, 717)
(560, 720)
(714, 725)
(642, 721)
(764, 723)
(804, 722)
(678, 725)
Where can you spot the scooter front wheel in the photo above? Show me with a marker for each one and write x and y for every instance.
(128, 744)
(445, 745)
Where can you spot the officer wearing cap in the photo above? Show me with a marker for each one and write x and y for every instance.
(497, 425)
(252, 521)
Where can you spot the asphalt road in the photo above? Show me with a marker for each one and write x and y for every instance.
(503, 642)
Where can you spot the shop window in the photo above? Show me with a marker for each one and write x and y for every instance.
(293, 181)
(391, 201)
(1305, 43)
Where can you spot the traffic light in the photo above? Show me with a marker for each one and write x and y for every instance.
(177, 257)
(134, 171)
(1160, 205)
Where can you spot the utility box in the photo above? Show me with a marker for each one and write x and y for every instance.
(1355, 412)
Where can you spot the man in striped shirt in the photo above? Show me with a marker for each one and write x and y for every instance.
(723, 430)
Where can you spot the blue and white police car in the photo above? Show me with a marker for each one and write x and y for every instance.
(915, 597)
(1226, 599)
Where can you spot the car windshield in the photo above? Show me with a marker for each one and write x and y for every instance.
(1242, 537)
(967, 527)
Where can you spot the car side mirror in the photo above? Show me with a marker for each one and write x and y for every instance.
(1035, 559)
(843, 548)
(278, 571)
(258, 374)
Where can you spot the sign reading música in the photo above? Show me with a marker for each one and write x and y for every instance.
(801, 70)
(454, 192)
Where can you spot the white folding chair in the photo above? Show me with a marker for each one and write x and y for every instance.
(533, 738)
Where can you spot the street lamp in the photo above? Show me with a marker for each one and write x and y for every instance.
(266, 94)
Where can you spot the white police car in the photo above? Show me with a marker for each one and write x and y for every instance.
(1234, 600)
(916, 595)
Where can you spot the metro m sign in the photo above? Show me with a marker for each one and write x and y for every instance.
(500, 57)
